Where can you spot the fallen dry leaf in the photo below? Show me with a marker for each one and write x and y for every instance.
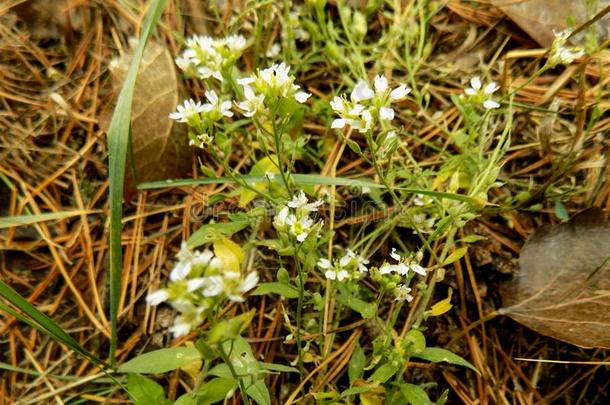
(562, 289)
(159, 146)
(540, 17)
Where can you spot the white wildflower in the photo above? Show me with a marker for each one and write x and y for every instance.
(293, 218)
(274, 51)
(217, 107)
(264, 88)
(478, 93)
(366, 105)
(200, 281)
(401, 293)
(560, 54)
(187, 110)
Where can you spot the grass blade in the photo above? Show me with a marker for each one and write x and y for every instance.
(304, 180)
(39, 320)
(118, 138)
(20, 220)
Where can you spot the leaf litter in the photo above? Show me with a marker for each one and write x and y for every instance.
(563, 287)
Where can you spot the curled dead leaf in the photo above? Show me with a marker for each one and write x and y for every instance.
(562, 289)
(159, 147)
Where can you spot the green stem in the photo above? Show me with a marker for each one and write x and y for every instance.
(299, 304)
(227, 360)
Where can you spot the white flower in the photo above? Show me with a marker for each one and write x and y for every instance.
(480, 94)
(294, 218)
(351, 258)
(280, 219)
(244, 285)
(362, 91)
(324, 264)
(401, 293)
(253, 103)
(366, 104)
(399, 92)
(187, 110)
(186, 260)
(299, 227)
(213, 286)
(157, 297)
(559, 53)
(300, 201)
(270, 84)
(403, 267)
(274, 51)
(301, 96)
(386, 113)
(235, 43)
(190, 317)
(215, 105)
(336, 274)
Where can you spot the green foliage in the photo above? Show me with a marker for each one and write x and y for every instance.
(161, 361)
(438, 355)
(145, 391)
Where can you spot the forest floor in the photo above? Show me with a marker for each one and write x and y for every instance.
(57, 96)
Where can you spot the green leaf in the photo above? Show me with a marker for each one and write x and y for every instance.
(561, 211)
(9, 222)
(415, 394)
(437, 355)
(472, 238)
(385, 372)
(284, 290)
(416, 340)
(355, 368)
(456, 255)
(210, 232)
(215, 390)
(358, 390)
(367, 310)
(40, 321)
(259, 392)
(221, 370)
(266, 165)
(186, 399)
(145, 391)
(280, 368)
(118, 139)
(161, 361)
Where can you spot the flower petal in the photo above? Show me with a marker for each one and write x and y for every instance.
(475, 82)
(399, 92)
(386, 113)
(362, 91)
(302, 96)
(491, 104)
(157, 297)
(381, 83)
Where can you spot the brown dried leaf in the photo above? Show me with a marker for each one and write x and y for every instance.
(563, 287)
(540, 17)
(159, 147)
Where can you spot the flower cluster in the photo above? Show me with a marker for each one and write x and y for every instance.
(263, 90)
(206, 57)
(396, 276)
(479, 94)
(201, 118)
(198, 281)
(351, 267)
(294, 217)
(559, 53)
(366, 105)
